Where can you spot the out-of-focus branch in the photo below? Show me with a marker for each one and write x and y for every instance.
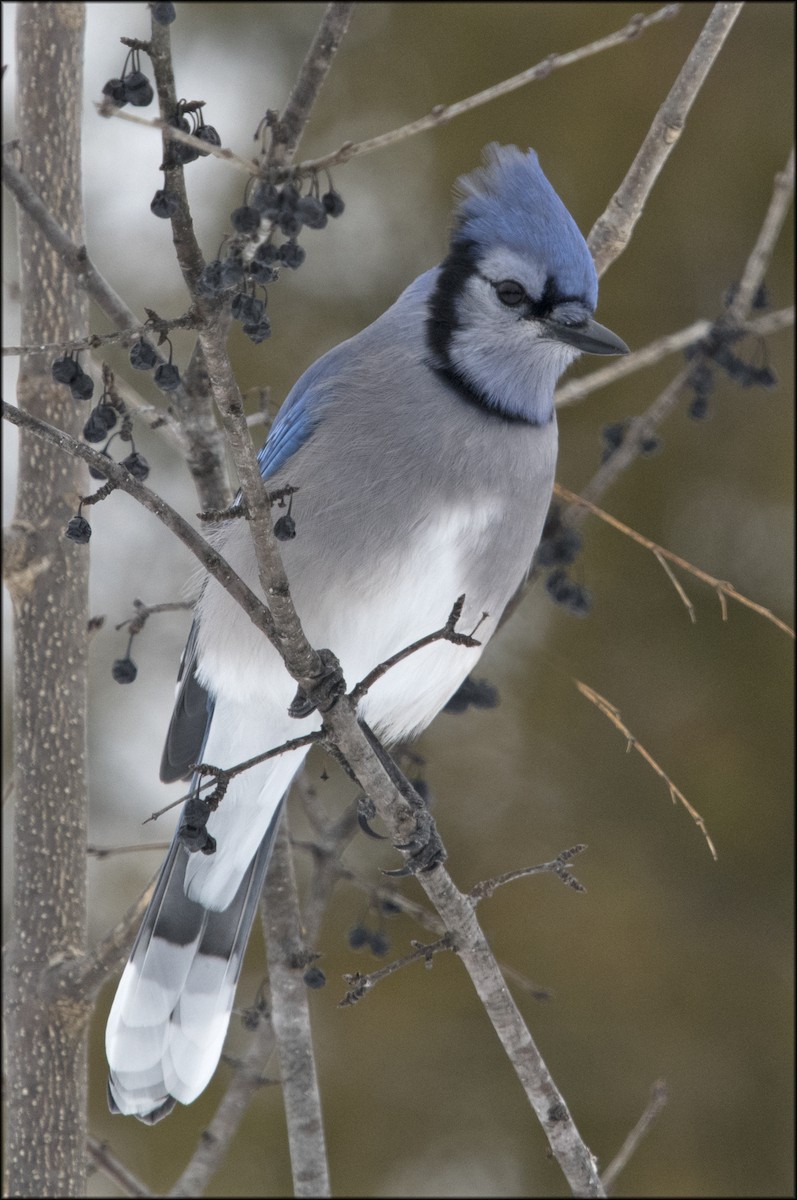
(654, 352)
(645, 425)
(441, 114)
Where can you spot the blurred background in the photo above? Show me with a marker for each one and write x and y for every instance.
(671, 966)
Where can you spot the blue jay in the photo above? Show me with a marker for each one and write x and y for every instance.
(423, 454)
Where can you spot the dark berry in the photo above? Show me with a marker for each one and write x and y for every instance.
(314, 977)
(311, 212)
(164, 204)
(138, 89)
(559, 586)
(142, 356)
(82, 386)
(78, 530)
(698, 409)
(210, 280)
(261, 273)
(164, 14)
(124, 670)
(561, 548)
(289, 224)
(266, 199)
(245, 219)
(259, 332)
(116, 92)
(232, 271)
(379, 944)
(207, 133)
(359, 936)
(289, 198)
(247, 308)
(285, 528)
(65, 370)
(95, 429)
(266, 253)
(389, 908)
(167, 377)
(649, 445)
(179, 153)
(333, 203)
(137, 465)
(292, 255)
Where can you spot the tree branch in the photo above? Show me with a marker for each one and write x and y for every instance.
(612, 231)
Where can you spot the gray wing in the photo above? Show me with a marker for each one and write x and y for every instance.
(188, 728)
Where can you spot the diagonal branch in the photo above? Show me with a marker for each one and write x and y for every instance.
(290, 124)
(608, 710)
(441, 114)
(612, 231)
(720, 585)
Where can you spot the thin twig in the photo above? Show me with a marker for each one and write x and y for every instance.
(95, 340)
(657, 1101)
(721, 586)
(101, 852)
(445, 634)
(612, 231)
(442, 113)
(608, 710)
(762, 251)
(655, 351)
(362, 984)
(557, 866)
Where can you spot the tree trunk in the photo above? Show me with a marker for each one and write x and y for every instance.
(47, 577)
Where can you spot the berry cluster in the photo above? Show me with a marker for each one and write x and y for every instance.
(132, 88)
(67, 369)
(559, 547)
(187, 117)
(246, 269)
(715, 351)
(143, 358)
(614, 435)
(101, 421)
(360, 935)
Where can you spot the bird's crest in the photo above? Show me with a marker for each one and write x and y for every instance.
(508, 201)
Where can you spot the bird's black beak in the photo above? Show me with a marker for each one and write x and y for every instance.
(589, 337)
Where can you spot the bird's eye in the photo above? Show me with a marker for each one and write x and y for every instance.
(510, 293)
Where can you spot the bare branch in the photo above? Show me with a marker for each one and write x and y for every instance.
(657, 1101)
(655, 351)
(720, 585)
(290, 1018)
(442, 113)
(757, 263)
(608, 710)
(612, 232)
(289, 126)
(75, 258)
(557, 866)
(362, 984)
(107, 1162)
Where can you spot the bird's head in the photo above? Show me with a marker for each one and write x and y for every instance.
(515, 296)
